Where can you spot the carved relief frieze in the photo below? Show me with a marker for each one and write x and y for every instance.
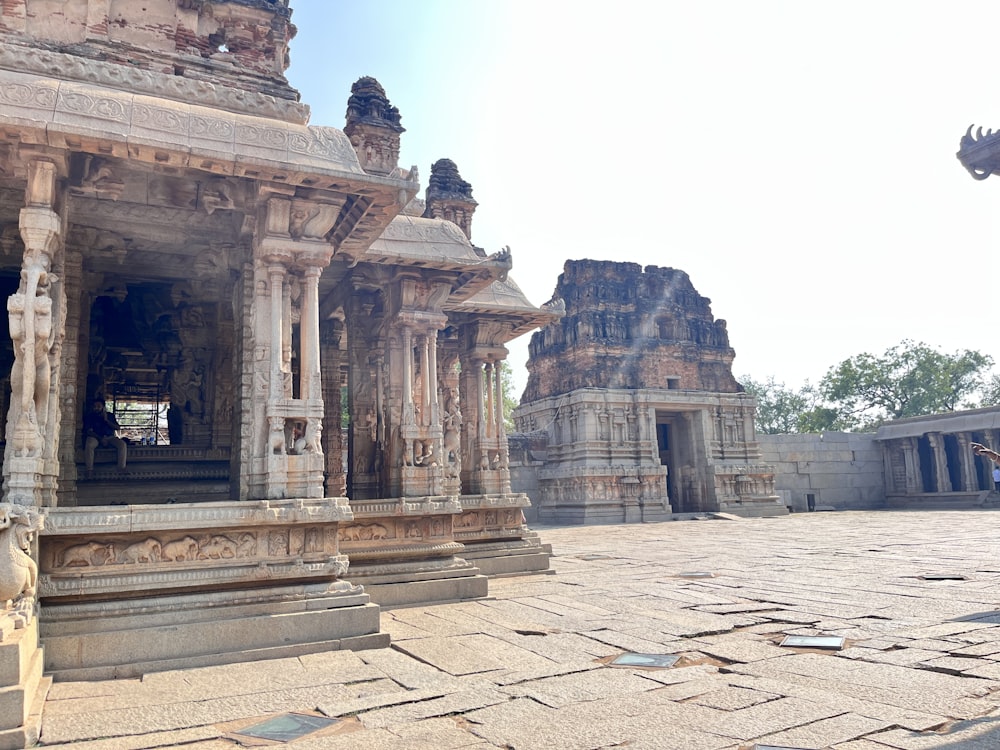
(25, 91)
(248, 545)
(110, 108)
(324, 143)
(56, 65)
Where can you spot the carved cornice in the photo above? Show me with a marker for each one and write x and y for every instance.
(177, 88)
(195, 516)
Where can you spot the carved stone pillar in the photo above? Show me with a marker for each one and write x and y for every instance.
(366, 400)
(488, 450)
(470, 389)
(943, 483)
(490, 404)
(276, 286)
(309, 384)
(71, 394)
(331, 358)
(434, 417)
(970, 483)
(37, 318)
(911, 462)
(290, 254)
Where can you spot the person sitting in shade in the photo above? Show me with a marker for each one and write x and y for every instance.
(298, 444)
(100, 428)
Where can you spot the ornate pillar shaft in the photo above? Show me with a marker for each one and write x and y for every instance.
(480, 386)
(407, 374)
(943, 479)
(911, 463)
(425, 381)
(967, 460)
(432, 384)
(276, 276)
(488, 377)
(498, 400)
(310, 376)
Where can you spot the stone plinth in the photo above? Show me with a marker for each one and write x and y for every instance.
(22, 687)
(403, 550)
(495, 536)
(131, 589)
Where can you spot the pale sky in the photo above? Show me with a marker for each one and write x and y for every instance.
(796, 159)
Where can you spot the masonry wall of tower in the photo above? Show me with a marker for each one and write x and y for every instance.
(227, 53)
(629, 327)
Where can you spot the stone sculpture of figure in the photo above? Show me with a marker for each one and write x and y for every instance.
(452, 424)
(18, 571)
(426, 455)
(314, 436)
(186, 387)
(276, 437)
(30, 323)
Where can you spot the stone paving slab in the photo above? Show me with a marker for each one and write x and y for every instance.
(822, 692)
(525, 669)
(449, 655)
(825, 732)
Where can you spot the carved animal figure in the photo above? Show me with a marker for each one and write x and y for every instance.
(217, 548)
(370, 531)
(247, 546)
(181, 550)
(18, 572)
(88, 554)
(146, 551)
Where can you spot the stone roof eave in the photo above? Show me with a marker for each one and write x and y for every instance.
(51, 114)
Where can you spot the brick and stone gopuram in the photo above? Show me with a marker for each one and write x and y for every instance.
(634, 388)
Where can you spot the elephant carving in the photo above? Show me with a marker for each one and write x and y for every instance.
(181, 550)
(87, 554)
(146, 551)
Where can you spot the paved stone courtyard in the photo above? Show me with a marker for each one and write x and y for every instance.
(527, 668)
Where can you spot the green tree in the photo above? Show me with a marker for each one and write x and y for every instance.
(510, 401)
(779, 408)
(908, 380)
(990, 393)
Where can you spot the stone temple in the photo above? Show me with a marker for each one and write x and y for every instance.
(634, 393)
(305, 358)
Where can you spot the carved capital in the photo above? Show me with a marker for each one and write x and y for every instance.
(41, 189)
(40, 229)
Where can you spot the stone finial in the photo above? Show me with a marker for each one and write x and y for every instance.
(449, 196)
(373, 125)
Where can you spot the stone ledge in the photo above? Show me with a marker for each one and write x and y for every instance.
(181, 516)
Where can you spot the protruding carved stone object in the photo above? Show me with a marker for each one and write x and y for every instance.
(18, 571)
(449, 197)
(373, 125)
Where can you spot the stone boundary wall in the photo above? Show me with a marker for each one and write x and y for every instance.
(527, 453)
(842, 470)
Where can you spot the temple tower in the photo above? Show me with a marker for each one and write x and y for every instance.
(373, 125)
(449, 197)
(634, 386)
